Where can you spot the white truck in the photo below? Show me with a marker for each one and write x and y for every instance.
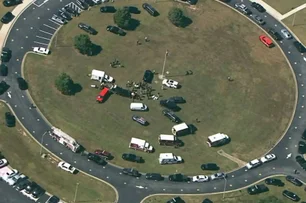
(63, 138)
(139, 144)
(101, 76)
(169, 158)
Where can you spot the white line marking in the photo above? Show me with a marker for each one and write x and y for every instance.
(50, 27)
(54, 22)
(43, 37)
(41, 43)
(46, 32)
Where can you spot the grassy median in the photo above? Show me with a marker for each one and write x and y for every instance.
(284, 6)
(298, 26)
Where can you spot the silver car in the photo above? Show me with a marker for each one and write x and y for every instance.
(59, 19)
(258, 19)
(286, 34)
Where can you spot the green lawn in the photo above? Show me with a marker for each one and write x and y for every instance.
(284, 6)
(24, 155)
(299, 24)
(240, 196)
(254, 109)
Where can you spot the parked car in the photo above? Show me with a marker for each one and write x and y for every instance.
(22, 184)
(148, 76)
(108, 9)
(8, 17)
(170, 83)
(253, 164)
(268, 158)
(200, 178)
(178, 177)
(9, 175)
(206, 200)
(41, 50)
(292, 196)
(90, 2)
(65, 15)
(274, 181)
(275, 35)
(3, 70)
(10, 119)
(82, 4)
(37, 192)
(177, 100)
(102, 95)
(218, 176)
(132, 9)
(286, 34)
(266, 41)
(66, 167)
(258, 19)
(256, 189)
(59, 19)
(3, 87)
(150, 9)
(30, 187)
(140, 120)
(87, 28)
(131, 157)
(169, 104)
(302, 147)
(23, 85)
(243, 8)
(53, 199)
(115, 30)
(71, 11)
(299, 47)
(13, 180)
(8, 3)
(131, 172)
(304, 135)
(6, 54)
(154, 176)
(294, 181)
(103, 153)
(96, 158)
(169, 114)
(176, 200)
(301, 161)
(210, 166)
(258, 7)
(3, 162)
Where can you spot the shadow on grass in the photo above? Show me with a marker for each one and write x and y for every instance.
(76, 88)
(186, 22)
(134, 23)
(96, 49)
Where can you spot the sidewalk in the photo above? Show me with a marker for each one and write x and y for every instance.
(5, 29)
(277, 15)
(297, 9)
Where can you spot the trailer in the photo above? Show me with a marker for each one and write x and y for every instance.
(139, 144)
(63, 138)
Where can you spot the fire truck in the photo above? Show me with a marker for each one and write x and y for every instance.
(63, 138)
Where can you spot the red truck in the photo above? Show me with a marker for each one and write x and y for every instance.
(102, 95)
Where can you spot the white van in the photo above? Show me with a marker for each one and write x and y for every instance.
(181, 129)
(217, 140)
(169, 158)
(138, 107)
(169, 140)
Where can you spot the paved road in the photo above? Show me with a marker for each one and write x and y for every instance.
(34, 28)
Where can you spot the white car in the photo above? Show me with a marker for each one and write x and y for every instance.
(9, 175)
(66, 167)
(41, 50)
(286, 34)
(59, 19)
(170, 83)
(108, 78)
(267, 158)
(3, 162)
(13, 180)
(253, 164)
(200, 178)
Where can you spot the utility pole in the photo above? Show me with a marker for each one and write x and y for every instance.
(42, 142)
(76, 192)
(164, 65)
(293, 21)
(225, 181)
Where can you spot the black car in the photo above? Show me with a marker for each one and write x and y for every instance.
(131, 157)
(150, 9)
(132, 9)
(154, 176)
(53, 199)
(290, 195)
(115, 30)
(302, 147)
(87, 28)
(274, 181)
(6, 54)
(169, 114)
(8, 17)
(177, 100)
(22, 184)
(10, 119)
(304, 135)
(108, 9)
(140, 120)
(258, 7)
(176, 200)
(256, 189)
(96, 158)
(210, 166)
(299, 47)
(148, 76)
(65, 15)
(301, 161)
(294, 181)
(3, 87)
(23, 85)
(275, 35)
(169, 104)
(206, 200)
(3, 70)
(89, 2)
(38, 191)
(8, 3)
(192, 2)
(131, 172)
(31, 187)
(178, 178)
(71, 11)
(82, 4)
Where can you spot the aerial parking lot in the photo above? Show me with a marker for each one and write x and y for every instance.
(231, 82)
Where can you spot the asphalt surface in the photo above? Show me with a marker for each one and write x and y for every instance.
(35, 21)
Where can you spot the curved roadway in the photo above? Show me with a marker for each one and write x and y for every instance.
(23, 37)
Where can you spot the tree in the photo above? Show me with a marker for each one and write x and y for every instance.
(64, 84)
(83, 44)
(270, 199)
(122, 18)
(176, 16)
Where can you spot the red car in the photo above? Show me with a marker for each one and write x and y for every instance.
(102, 94)
(103, 153)
(266, 41)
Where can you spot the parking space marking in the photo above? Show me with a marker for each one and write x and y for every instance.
(54, 22)
(50, 27)
(48, 33)
(43, 37)
(41, 43)
(39, 3)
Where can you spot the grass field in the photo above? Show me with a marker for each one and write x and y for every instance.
(238, 197)
(24, 155)
(254, 109)
(284, 6)
(299, 24)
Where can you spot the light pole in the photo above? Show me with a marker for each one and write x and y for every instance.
(42, 142)
(164, 65)
(293, 20)
(76, 192)
(225, 181)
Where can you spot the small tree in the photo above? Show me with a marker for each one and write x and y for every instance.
(64, 84)
(176, 16)
(83, 44)
(122, 18)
